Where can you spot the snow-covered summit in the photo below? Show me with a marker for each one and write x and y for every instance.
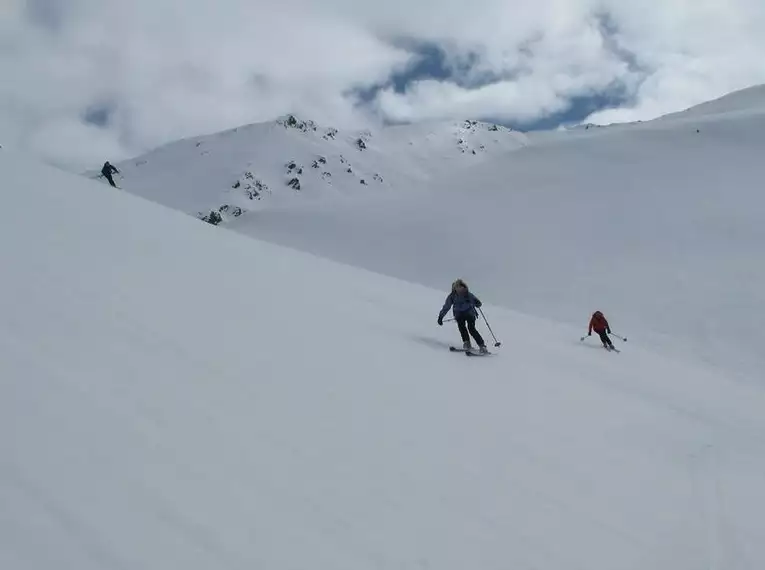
(224, 175)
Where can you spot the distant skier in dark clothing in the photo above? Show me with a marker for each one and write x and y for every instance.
(463, 304)
(600, 325)
(107, 172)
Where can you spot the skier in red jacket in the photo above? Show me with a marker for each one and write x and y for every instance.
(600, 325)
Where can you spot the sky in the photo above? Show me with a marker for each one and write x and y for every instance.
(90, 80)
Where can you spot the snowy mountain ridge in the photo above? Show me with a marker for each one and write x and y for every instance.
(222, 176)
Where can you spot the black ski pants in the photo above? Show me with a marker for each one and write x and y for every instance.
(466, 324)
(605, 339)
(108, 176)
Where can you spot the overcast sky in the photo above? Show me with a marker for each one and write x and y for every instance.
(87, 80)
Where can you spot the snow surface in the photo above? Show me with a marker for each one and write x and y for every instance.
(175, 395)
(659, 224)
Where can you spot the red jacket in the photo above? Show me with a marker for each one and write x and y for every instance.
(598, 323)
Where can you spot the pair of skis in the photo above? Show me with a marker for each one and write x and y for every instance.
(608, 348)
(469, 351)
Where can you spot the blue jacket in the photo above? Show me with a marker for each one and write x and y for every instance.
(461, 304)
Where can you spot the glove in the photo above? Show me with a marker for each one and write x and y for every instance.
(440, 322)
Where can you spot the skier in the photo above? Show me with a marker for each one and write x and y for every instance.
(600, 325)
(463, 304)
(107, 171)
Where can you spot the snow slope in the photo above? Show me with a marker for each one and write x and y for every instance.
(294, 160)
(747, 100)
(173, 395)
(744, 102)
(658, 223)
(661, 225)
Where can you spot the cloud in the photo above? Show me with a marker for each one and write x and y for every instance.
(145, 72)
(539, 77)
(83, 79)
(694, 55)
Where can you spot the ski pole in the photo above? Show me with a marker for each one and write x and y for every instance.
(496, 342)
(621, 338)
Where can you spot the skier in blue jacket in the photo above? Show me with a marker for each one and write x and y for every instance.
(463, 304)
